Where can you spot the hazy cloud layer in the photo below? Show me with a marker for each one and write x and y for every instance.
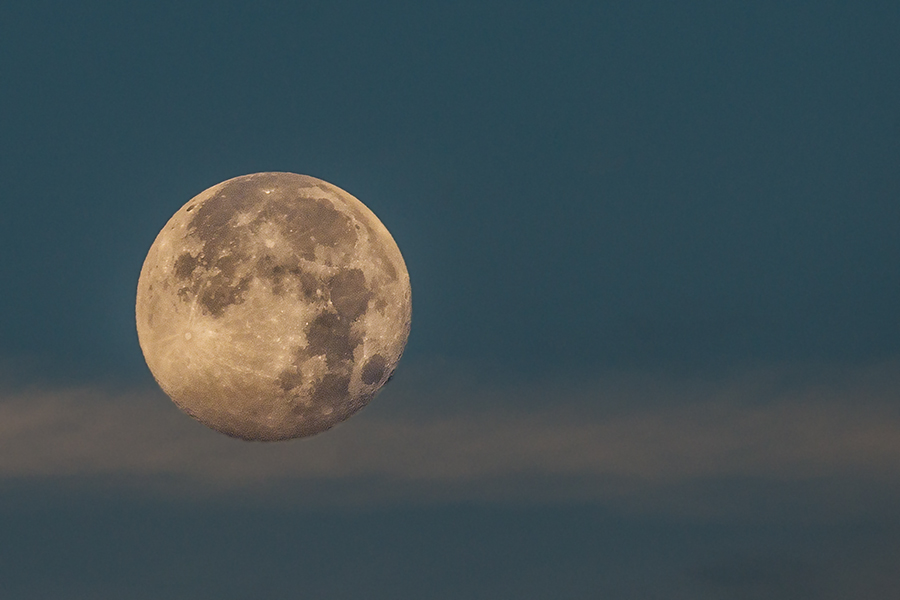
(631, 438)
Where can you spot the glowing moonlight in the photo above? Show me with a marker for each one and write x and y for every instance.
(273, 306)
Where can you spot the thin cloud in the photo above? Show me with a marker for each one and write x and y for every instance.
(625, 437)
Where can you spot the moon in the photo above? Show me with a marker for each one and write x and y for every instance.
(273, 306)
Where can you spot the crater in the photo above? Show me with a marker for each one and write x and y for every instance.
(373, 370)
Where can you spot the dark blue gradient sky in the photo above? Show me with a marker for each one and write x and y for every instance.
(655, 263)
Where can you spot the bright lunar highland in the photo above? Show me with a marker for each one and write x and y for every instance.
(273, 306)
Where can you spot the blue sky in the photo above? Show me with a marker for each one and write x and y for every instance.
(654, 258)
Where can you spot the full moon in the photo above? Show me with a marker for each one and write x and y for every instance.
(273, 306)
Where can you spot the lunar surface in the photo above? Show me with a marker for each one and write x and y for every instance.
(273, 306)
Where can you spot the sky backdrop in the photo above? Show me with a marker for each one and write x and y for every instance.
(655, 263)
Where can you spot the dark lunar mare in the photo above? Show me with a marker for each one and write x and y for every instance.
(305, 222)
(374, 369)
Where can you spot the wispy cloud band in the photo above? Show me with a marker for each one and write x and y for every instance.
(612, 439)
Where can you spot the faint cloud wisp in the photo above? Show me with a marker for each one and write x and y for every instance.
(627, 441)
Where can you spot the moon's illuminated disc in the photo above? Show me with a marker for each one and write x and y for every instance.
(273, 306)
